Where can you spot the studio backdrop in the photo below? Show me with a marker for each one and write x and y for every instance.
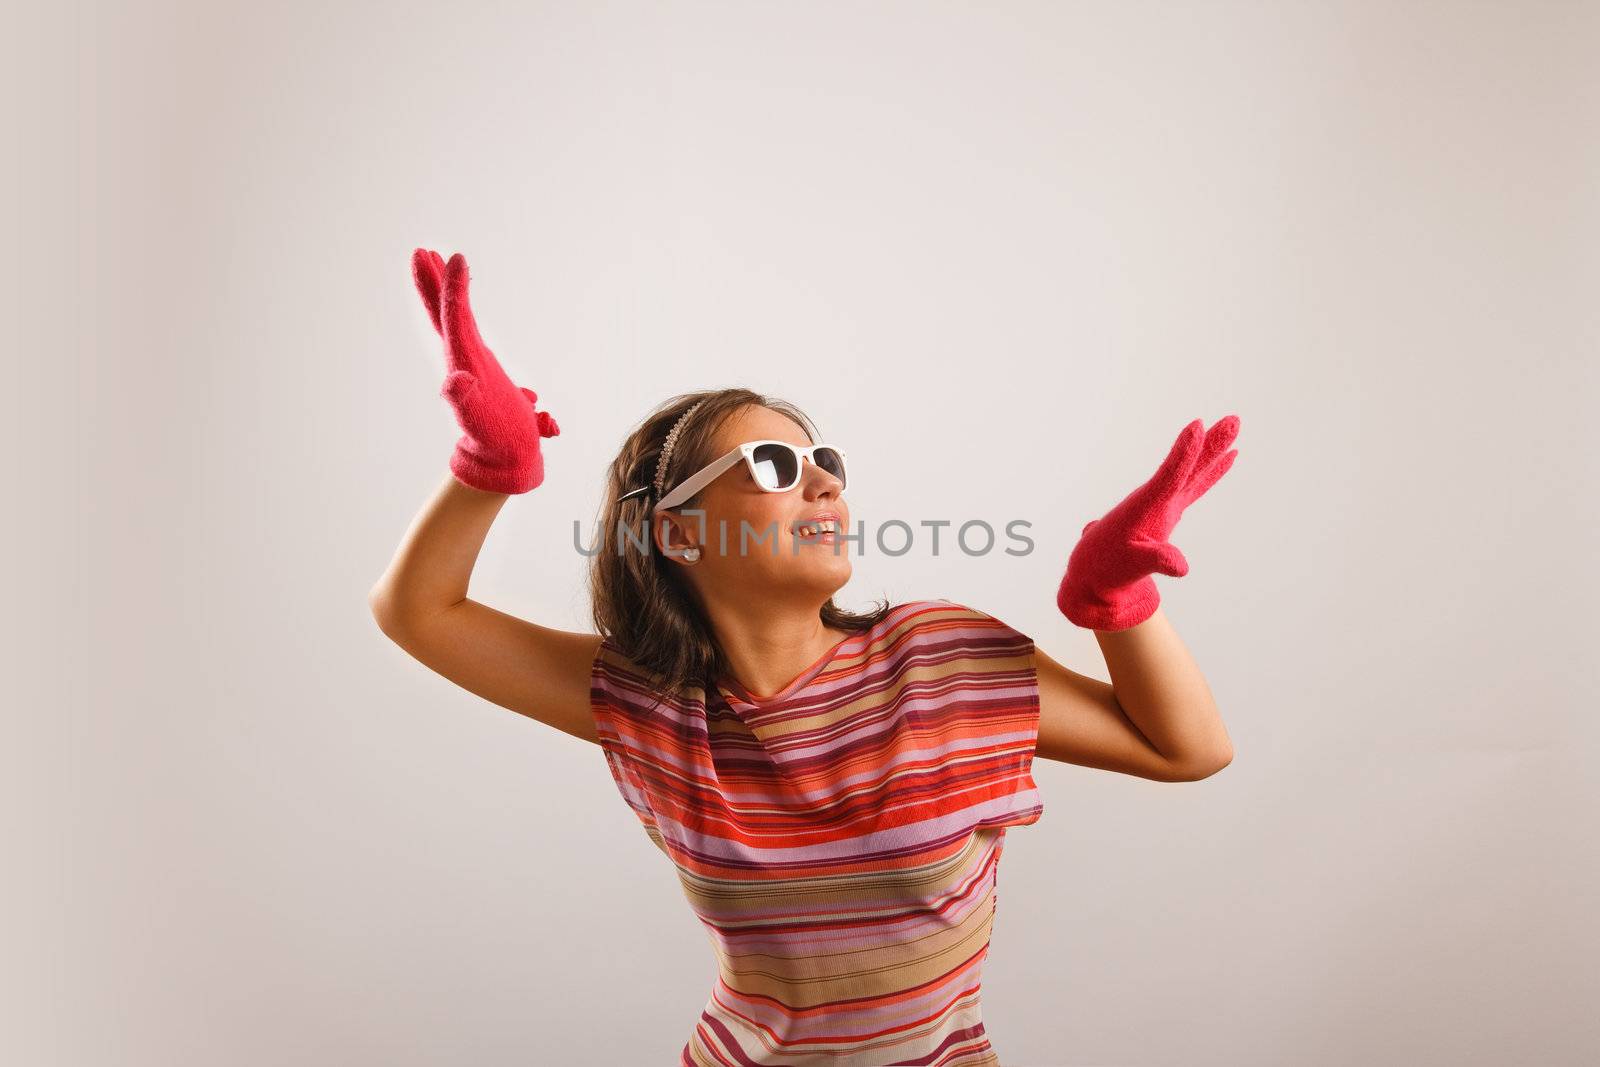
(1003, 253)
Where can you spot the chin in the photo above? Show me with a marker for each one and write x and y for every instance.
(819, 573)
(834, 576)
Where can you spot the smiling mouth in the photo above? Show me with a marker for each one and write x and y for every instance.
(818, 531)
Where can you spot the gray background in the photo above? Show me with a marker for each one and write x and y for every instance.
(1003, 253)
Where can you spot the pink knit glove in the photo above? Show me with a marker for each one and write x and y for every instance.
(499, 451)
(1108, 585)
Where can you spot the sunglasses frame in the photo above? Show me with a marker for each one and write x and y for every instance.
(746, 452)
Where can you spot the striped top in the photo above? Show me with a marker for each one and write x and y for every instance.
(839, 840)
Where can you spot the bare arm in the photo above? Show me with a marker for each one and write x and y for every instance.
(421, 604)
(1156, 719)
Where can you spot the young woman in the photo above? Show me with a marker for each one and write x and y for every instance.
(832, 787)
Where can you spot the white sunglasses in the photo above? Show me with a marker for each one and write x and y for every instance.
(775, 467)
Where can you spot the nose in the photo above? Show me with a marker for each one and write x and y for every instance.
(819, 483)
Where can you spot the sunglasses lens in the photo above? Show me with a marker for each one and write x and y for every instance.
(831, 461)
(776, 466)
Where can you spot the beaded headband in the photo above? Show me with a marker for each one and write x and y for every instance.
(665, 457)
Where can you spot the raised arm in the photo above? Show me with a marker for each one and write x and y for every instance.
(1156, 718)
(420, 602)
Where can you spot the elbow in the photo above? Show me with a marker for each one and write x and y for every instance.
(381, 603)
(399, 612)
(1218, 762)
(1204, 766)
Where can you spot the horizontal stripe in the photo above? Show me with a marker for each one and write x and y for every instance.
(839, 840)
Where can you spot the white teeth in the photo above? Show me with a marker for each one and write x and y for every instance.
(812, 529)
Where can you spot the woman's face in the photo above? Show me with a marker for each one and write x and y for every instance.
(773, 562)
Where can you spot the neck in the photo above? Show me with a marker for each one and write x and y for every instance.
(769, 644)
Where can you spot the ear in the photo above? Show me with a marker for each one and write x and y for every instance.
(672, 534)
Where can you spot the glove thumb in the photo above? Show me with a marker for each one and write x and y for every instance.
(458, 386)
(1160, 557)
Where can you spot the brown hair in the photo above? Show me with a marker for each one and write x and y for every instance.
(639, 598)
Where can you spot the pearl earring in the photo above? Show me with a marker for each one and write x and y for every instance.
(691, 554)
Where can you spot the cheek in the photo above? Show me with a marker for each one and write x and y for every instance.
(762, 513)
(763, 517)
